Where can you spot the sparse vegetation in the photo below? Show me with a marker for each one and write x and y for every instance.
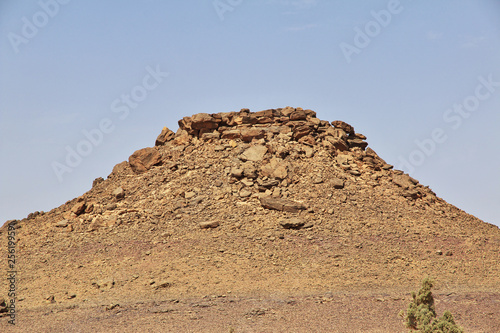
(421, 313)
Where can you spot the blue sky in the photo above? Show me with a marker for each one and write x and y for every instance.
(421, 79)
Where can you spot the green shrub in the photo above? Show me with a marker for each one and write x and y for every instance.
(421, 313)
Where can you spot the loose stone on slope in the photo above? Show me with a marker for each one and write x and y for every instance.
(209, 224)
(254, 153)
(281, 204)
(293, 223)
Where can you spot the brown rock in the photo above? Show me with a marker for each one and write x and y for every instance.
(403, 181)
(317, 179)
(310, 113)
(301, 131)
(182, 137)
(163, 284)
(298, 115)
(244, 119)
(411, 194)
(281, 204)
(210, 136)
(142, 160)
(249, 170)
(292, 223)
(62, 224)
(360, 136)
(337, 183)
(226, 117)
(265, 120)
(111, 306)
(287, 111)
(165, 136)
(96, 223)
(276, 168)
(343, 126)
(244, 193)
(265, 184)
(204, 121)
(254, 153)
(336, 133)
(338, 143)
(236, 172)
(231, 134)
(270, 113)
(308, 151)
(248, 134)
(357, 143)
(281, 171)
(97, 181)
(307, 140)
(315, 121)
(210, 224)
(355, 172)
(119, 168)
(104, 284)
(119, 193)
(79, 208)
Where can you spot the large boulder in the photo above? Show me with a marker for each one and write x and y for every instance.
(356, 142)
(404, 181)
(204, 121)
(343, 126)
(143, 159)
(248, 134)
(165, 136)
(293, 223)
(254, 153)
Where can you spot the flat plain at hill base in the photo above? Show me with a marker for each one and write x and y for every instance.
(331, 312)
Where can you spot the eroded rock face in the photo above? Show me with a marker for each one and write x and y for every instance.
(165, 136)
(143, 159)
(266, 124)
(255, 158)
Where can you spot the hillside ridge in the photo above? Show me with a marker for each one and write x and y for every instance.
(251, 203)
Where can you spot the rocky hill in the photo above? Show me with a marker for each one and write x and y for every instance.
(271, 204)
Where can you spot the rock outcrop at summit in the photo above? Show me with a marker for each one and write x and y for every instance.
(287, 123)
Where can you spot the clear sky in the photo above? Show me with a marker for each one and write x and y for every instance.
(83, 84)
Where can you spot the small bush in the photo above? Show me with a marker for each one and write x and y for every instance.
(421, 313)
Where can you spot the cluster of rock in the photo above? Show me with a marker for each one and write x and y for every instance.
(240, 156)
(247, 126)
(289, 124)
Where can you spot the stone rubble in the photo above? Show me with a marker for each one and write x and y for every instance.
(248, 156)
(231, 198)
